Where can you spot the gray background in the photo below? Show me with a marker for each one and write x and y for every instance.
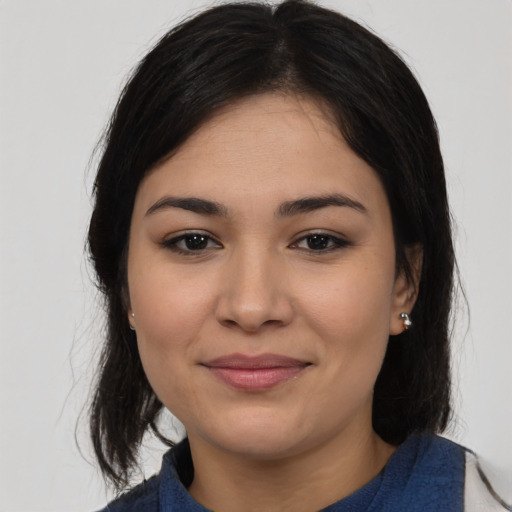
(62, 64)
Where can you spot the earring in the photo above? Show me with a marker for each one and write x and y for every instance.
(407, 320)
(131, 326)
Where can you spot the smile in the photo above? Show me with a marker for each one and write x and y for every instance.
(249, 373)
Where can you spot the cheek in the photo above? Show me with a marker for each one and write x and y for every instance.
(352, 306)
(350, 313)
(170, 312)
(168, 304)
(350, 316)
(167, 335)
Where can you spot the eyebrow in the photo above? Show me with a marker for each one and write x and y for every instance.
(286, 209)
(309, 204)
(192, 204)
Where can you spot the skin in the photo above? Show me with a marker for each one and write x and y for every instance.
(258, 287)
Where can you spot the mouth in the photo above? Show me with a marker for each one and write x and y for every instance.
(255, 373)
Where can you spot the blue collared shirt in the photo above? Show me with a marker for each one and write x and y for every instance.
(425, 474)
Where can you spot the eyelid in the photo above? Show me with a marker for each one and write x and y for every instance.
(340, 241)
(170, 242)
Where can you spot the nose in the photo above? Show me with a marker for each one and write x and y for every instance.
(254, 292)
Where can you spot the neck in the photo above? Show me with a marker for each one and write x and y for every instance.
(301, 482)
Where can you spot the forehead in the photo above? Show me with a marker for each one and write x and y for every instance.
(263, 148)
(262, 122)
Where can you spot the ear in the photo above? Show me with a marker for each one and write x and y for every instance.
(131, 318)
(406, 288)
(125, 298)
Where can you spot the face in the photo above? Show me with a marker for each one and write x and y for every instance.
(261, 274)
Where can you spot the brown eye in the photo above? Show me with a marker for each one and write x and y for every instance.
(321, 242)
(318, 242)
(195, 242)
(191, 243)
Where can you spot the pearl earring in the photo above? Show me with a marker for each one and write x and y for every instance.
(407, 320)
(131, 326)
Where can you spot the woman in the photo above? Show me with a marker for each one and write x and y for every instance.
(272, 236)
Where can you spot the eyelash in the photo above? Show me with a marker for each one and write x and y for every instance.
(172, 244)
(335, 242)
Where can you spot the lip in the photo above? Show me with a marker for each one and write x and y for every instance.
(255, 373)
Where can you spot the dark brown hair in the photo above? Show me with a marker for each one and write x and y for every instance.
(233, 51)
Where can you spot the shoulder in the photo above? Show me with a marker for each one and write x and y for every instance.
(142, 498)
(166, 488)
(485, 488)
(439, 474)
(426, 474)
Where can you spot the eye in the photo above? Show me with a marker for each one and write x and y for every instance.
(192, 242)
(320, 242)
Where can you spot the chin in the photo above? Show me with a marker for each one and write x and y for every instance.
(259, 436)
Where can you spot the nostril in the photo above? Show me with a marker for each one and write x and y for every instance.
(251, 327)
